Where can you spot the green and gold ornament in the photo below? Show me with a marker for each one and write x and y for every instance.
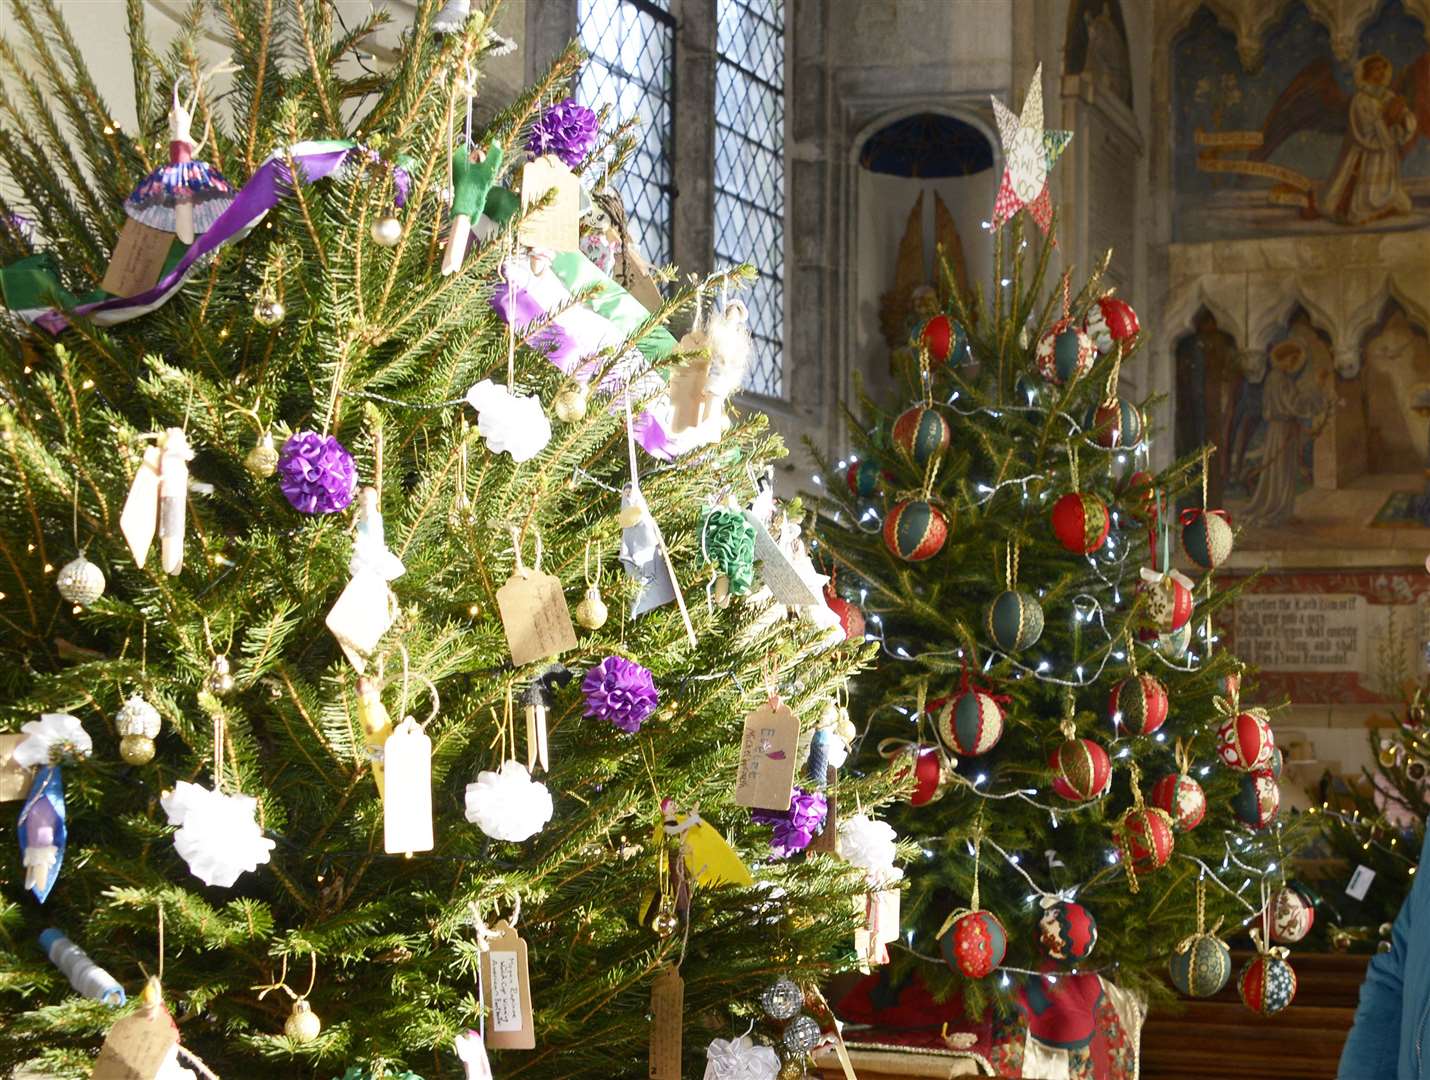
(1115, 423)
(1258, 800)
(1081, 768)
(972, 940)
(864, 478)
(971, 721)
(921, 433)
(1201, 962)
(945, 341)
(915, 530)
(1065, 353)
(1268, 982)
(1014, 618)
(1138, 704)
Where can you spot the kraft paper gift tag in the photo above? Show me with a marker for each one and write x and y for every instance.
(767, 757)
(137, 1047)
(558, 226)
(507, 989)
(138, 259)
(535, 617)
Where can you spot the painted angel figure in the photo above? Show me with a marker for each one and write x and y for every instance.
(1289, 405)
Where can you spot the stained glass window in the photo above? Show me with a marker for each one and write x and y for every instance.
(750, 170)
(632, 69)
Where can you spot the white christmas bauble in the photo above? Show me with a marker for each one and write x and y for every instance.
(137, 717)
(80, 581)
(386, 231)
(508, 804)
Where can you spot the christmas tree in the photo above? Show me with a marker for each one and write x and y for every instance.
(1077, 765)
(297, 715)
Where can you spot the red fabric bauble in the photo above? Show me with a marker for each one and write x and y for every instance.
(1182, 798)
(1146, 838)
(937, 338)
(851, 619)
(1080, 522)
(1138, 704)
(1081, 770)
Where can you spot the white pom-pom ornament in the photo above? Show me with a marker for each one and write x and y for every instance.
(218, 836)
(509, 804)
(867, 843)
(740, 1059)
(510, 423)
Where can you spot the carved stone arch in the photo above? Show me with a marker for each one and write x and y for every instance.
(1272, 315)
(1248, 20)
(1404, 290)
(966, 114)
(1223, 298)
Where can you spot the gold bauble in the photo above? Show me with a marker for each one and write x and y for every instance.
(302, 1024)
(792, 1069)
(570, 403)
(666, 922)
(268, 310)
(220, 678)
(262, 460)
(386, 231)
(591, 611)
(136, 749)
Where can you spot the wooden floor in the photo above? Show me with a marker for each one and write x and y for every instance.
(1219, 1037)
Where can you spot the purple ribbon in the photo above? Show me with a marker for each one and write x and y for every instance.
(269, 184)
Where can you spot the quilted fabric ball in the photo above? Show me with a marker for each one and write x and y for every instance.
(915, 530)
(921, 432)
(1115, 423)
(1109, 321)
(1065, 353)
(1015, 620)
(1292, 916)
(1202, 968)
(1206, 537)
(1146, 838)
(1267, 984)
(1182, 798)
(1081, 522)
(1244, 742)
(1081, 770)
(975, 944)
(1138, 704)
(1258, 801)
(971, 723)
(1067, 931)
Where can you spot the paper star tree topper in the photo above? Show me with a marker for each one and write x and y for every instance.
(1028, 153)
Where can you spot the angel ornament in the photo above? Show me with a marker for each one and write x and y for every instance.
(184, 197)
(717, 356)
(367, 608)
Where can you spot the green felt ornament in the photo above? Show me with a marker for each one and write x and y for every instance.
(472, 182)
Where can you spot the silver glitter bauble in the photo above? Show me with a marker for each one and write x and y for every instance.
(782, 999)
(220, 678)
(262, 460)
(570, 403)
(80, 581)
(801, 1035)
(268, 310)
(302, 1024)
(137, 717)
(386, 231)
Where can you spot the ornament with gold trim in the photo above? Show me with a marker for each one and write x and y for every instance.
(1109, 321)
(1245, 742)
(1182, 798)
(1169, 599)
(1267, 983)
(1292, 916)
(915, 530)
(1065, 353)
(1207, 537)
(921, 433)
(1081, 769)
(138, 724)
(945, 340)
(851, 618)
(973, 943)
(1015, 620)
(1138, 704)
(1137, 496)
(932, 772)
(969, 722)
(1081, 522)
(1115, 423)
(864, 478)
(1143, 834)
(1258, 800)
(80, 581)
(1201, 965)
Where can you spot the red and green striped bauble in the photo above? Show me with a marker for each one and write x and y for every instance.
(1115, 423)
(1182, 798)
(1081, 770)
(945, 341)
(1109, 321)
(1067, 931)
(1267, 984)
(930, 777)
(1138, 704)
(1065, 353)
(851, 619)
(975, 944)
(915, 530)
(1258, 800)
(1203, 967)
(865, 478)
(1206, 537)
(1015, 620)
(1244, 742)
(1145, 836)
(970, 723)
(920, 433)
(1080, 522)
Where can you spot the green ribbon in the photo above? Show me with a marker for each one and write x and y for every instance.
(728, 540)
(611, 302)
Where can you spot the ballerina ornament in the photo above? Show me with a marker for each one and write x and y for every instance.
(184, 197)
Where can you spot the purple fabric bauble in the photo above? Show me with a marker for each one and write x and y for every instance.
(621, 691)
(567, 130)
(316, 473)
(797, 826)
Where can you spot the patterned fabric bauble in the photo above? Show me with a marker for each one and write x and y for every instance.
(1146, 838)
(1065, 353)
(1138, 704)
(1182, 798)
(915, 530)
(1067, 931)
(1244, 742)
(1081, 770)
(930, 777)
(851, 619)
(975, 944)
(316, 473)
(1277, 762)
(971, 723)
(1206, 537)
(1080, 522)
(1137, 496)
(1015, 620)
(920, 433)
(1292, 916)
(1175, 644)
(1169, 602)
(1109, 321)
(1267, 984)
(1202, 968)
(937, 337)
(1258, 800)
(865, 478)
(1115, 423)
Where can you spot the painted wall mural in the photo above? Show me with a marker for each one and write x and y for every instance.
(1306, 142)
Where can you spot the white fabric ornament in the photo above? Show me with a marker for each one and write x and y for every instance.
(473, 1054)
(51, 739)
(740, 1059)
(218, 835)
(510, 423)
(509, 804)
(867, 843)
